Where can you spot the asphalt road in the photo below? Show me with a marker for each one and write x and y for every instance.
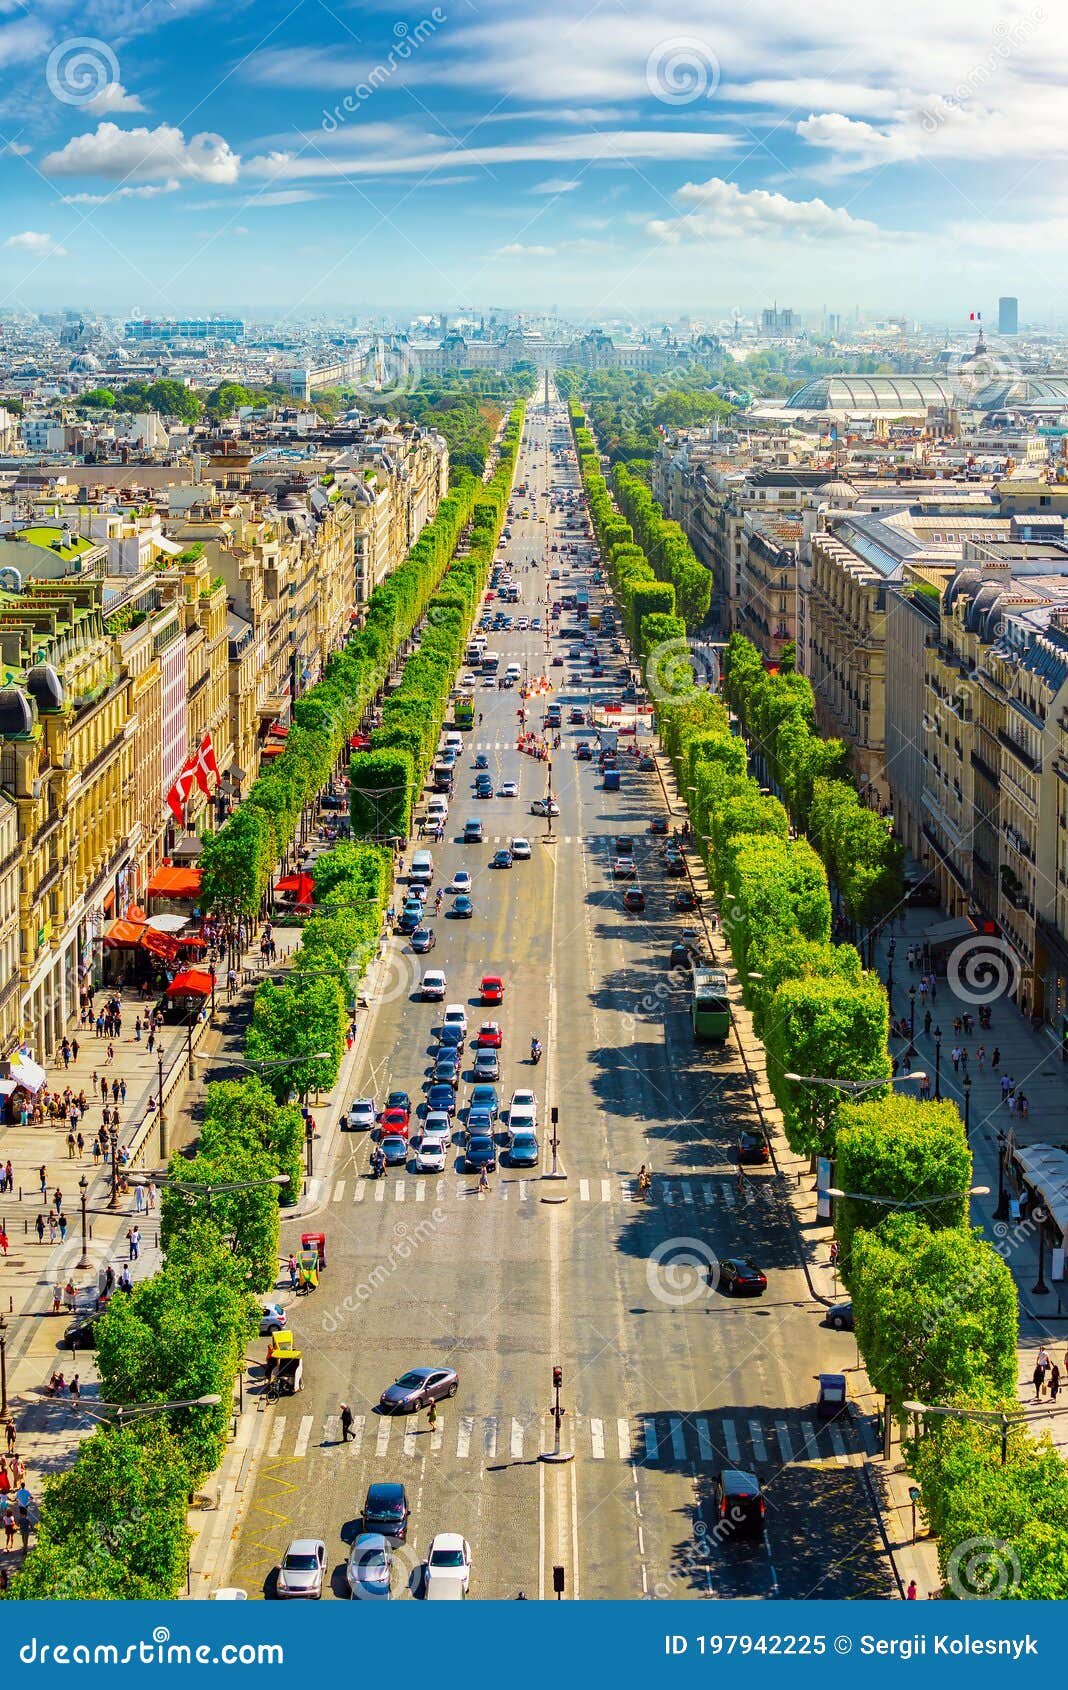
(666, 1379)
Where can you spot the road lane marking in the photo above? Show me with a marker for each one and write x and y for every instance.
(704, 1441)
(756, 1438)
(678, 1438)
(339, 1191)
(304, 1433)
(332, 1430)
(606, 1191)
(380, 1191)
(597, 1439)
(584, 1190)
(382, 1441)
(709, 1194)
(437, 1435)
(652, 1450)
(670, 1195)
(730, 1442)
(360, 1192)
(398, 1191)
(524, 1190)
(517, 1440)
(357, 1433)
(838, 1445)
(623, 1435)
(687, 1194)
(786, 1448)
(810, 1444)
(420, 1193)
(278, 1432)
(463, 1436)
(409, 1445)
(489, 1437)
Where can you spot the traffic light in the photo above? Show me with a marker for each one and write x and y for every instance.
(558, 1378)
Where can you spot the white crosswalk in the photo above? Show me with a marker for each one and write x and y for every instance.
(666, 1441)
(686, 1191)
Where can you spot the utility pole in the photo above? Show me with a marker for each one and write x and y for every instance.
(556, 1454)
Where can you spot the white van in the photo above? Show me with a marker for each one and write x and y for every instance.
(454, 741)
(421, 872)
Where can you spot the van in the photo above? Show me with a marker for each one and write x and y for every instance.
(437, 809)
(454, 741)
(611, 780)
(421, 872)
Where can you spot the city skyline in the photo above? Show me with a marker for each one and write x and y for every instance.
(682, 161)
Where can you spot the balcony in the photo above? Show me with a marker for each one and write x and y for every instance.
(1020, 751)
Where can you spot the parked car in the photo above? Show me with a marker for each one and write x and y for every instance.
(840, 1316)
(386, 1510)
(302, 1570)
(361, 1116)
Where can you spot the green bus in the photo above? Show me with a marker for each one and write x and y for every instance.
(711, 1009)
(463, 710)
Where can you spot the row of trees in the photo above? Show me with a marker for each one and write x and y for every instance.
(465, 406)
(628, 408)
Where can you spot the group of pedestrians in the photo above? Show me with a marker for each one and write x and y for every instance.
(1046, 1377)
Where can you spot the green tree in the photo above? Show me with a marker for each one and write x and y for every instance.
(905, 1151)
(829, 1029)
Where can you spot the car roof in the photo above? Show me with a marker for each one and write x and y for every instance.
(388, 1490)
(305, 1546)
(447, 1540)
(735, 1479)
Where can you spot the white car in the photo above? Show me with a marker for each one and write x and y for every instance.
(461, 881)
(520, 849)
(361, 1114)
(624, 868)
(522, 1123)
(524, 1099)
(523, 624)
(448, 1568)
(510, 789)
(545, 807)
(437, 1125)
(432, 986)
(456, 1016)
(431, 1156)
(469, 680)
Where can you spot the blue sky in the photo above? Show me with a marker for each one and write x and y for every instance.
(307, 156)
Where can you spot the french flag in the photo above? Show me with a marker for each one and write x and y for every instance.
(975, 317)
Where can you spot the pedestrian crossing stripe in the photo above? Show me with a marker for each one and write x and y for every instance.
(703, 1194)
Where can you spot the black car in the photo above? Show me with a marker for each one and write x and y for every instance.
(410, 919)
(684, 899)
(739, 1503)
(481, 761)
(441, 1095)
(683, 954)
(452, 1036)
(501, 859)
(80, 1334)
(840, 1316)
(741, 1276)
(417, 1388)
(753, 1147)
(386, 1510)
(397, 1100)
(480, 1152)
(447, 1068)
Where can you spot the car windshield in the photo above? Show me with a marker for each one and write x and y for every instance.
(369, 1558)
(447, 1558)
(411, 1381)
(300, 1563)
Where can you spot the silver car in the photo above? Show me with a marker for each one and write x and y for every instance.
(303, 1570)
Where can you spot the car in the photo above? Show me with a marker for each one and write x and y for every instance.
(441, 1096)
(433, 986)
(647, 763)
(369, 1568)
(451, 1036)
(469, 680)
(361, 1116)
(501, 858)
(448, 1568)
(535, 623)
(386, 1510)
(423, 939)
(487, 1065)
(80, 1333)
(480, 1152)
(455, 1016)
(273, 1318)
(624, 868)
(461, 881)
(463, 909)
(395, 1122)
(753, 1147)
(481, 761)
(684, 953)
(472, 833)
(491, 989)
(740, 1274)
(557, 662)
(675, 865)
(520, 849)
(545, 807)
(576, 717)
(489, 1036)
(483, 793)
(684, 900)
(303, 1570)
(411, 917)
(738, 1503)
(431, 1157)
(398, 1100)
(634, 898)
(840, 1316)
(479, 1122)
(484, 1097)
(522, 1119)
(509, 789)
(418, 1388)
(575, 653)
(584, 753)
(417, 894)
(438, 1124)
(524, 1150)
(446, 1068)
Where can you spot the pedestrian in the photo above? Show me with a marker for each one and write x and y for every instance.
(103, 1088)
(115, 1092)
(74, 1048)
(51, 1227)
(9, 1529)
(151, 1040)
(291, 1267)
(96, 1152)
(346, 1423)
(139, 1199)
(62, 1230)
(980, 1056)
(43, 1177)
(151, 1195)
(11, 1433)
(57, 1299)
(137, 1029)
(956, 1058)
(111, 1054)
(9, 1177)
(122, 1091)
(57, 1201)
(1042, 1366)
(927, 1024)
(432, 1417)
(1054, 1381)
(109, 1280)
(39, 1223)
(911, 1593)
(75, 1389)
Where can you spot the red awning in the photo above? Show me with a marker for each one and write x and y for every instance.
(124, 933)
(191, 983)
(278, 730)
(174, 883)
(195, 940)
(273, 748)
(302, 884)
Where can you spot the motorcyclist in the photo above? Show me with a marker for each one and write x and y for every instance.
(535, 1050)
(378, 1162)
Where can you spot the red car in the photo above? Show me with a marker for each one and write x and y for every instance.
(492, 989)
(490, 1036)
(395, 1121)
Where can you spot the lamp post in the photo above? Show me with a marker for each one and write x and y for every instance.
(193, 1188)
(113, 1135)
(912, 1012)
(83, 1192)
(938, 1064)
(1004, 1421)
(854, 1088)
(3, 1367)
(162, 1117)
(911, 1203)
(967, 1108)
(1040, 1288)
(1001, 1213)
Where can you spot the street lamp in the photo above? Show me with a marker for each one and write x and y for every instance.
(193, 1188)
(1001, 1213)
(901, 1203)
(113, 1200)
(1040, 1288)
(967, 1108)
(162, 1117)
(938, 1064)
(83, 1190)
(912, 1012)
(854, 1088)
(267, 1065)
(141, 1410)
(997, 1418)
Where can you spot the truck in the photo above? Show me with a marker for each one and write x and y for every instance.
(608, 739)
(595, 619)
(463, 710)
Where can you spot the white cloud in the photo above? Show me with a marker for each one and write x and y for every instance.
(119, 153)
(281, 196)
(150, 191)
(613, 147)
(517, 249)
(17, 149)
(555, 185)
(41, 246)
(723, 211)
(113, 97)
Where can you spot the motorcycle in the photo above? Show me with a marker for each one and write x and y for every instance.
(535, 1053)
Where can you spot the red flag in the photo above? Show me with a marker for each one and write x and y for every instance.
(178, 796)
(206, 763)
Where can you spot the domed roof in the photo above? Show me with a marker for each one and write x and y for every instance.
(981, 616)
(837, 489)
(45, 687)
(18, 713)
